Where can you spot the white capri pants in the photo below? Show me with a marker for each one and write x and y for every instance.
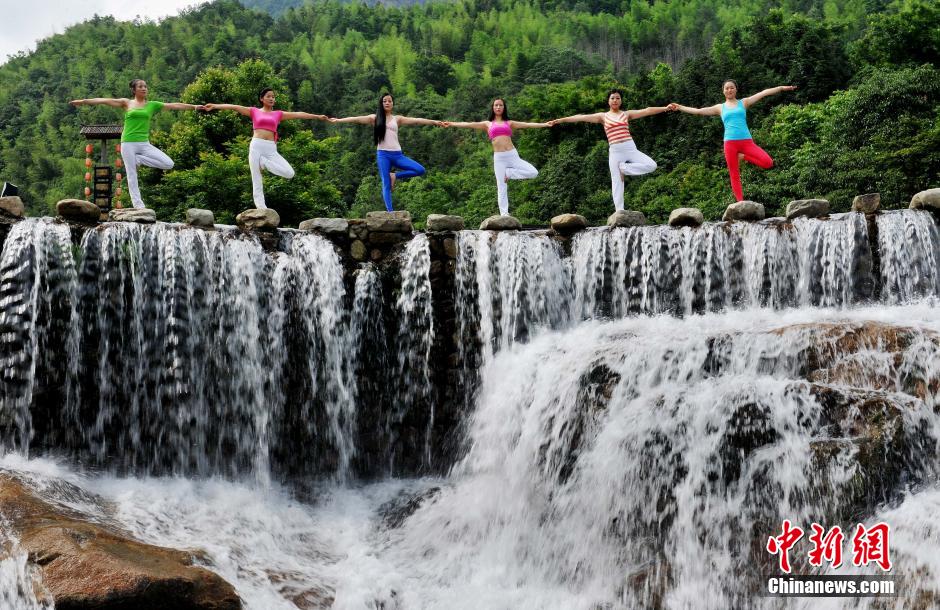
(141, 153)
(509, 164)
(263, 154)
(626, 160)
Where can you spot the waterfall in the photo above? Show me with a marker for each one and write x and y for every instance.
(623, 417)
(634, 464)
(909, 243)
(169, 349)
(414, 412)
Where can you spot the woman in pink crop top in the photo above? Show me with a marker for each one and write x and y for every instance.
(624, 158)
(388, 154)
(262, 152)
(507, 164)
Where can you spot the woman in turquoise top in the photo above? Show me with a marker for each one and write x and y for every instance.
(738, 142)
(136, 148)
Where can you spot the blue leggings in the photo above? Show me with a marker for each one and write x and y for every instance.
(389, 159)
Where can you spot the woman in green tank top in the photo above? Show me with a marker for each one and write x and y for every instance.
(136, 148)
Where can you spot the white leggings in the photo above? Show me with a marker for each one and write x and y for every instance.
(141, 153)
(626, 160)
(263, 154)
(510, 165)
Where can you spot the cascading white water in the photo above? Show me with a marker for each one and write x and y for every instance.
(909, 243)
(414, 340)
(619, 272)
(37, 275)
(172, 348)
(622, 464)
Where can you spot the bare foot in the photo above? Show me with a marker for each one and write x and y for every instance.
(393, 178)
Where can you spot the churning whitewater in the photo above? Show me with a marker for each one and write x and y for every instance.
(641, 408)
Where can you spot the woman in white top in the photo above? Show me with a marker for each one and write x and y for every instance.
(388, 150)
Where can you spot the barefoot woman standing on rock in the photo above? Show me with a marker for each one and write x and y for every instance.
(136, 148)
(738, 143)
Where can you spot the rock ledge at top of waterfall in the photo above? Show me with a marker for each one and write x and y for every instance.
(88, 565)
(927, 200)
(13, 206)
(811, 208)
(259, 220)
(686, 217)
(744, 210)
(568, 223)
(78, 210)
(499, 222)
(626, 218)
(141, 215)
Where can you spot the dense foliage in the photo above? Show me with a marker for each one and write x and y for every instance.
(866, 115)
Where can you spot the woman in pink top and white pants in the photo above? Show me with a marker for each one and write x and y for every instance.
(262, 152)
(507, 164)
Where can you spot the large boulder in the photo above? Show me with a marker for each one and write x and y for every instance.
(626, 218)
(203, 219)
(501, 223)
(78, 210)
(686, 217)
(13, 206)
(89, 565)
(926, 200)
(811, 208)
(569, 223)
(867, 204)
(444, 222)
(141, 215)
(744, 210)
(389, 222)
(258, 220)
(333, 227)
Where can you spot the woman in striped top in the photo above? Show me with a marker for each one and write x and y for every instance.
(624, 159)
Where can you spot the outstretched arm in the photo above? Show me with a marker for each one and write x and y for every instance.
(120, 102)
(706, 111)
(366, 119)
(597, 117)
(762, 94)
(407, 120)
(304, 115)
(639, 114)
(182, 106)
(524, 125)
(243, 110)
(468, 125)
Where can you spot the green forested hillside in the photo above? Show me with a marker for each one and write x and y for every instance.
(866, 115)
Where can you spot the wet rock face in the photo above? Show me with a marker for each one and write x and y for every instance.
(88, 566)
